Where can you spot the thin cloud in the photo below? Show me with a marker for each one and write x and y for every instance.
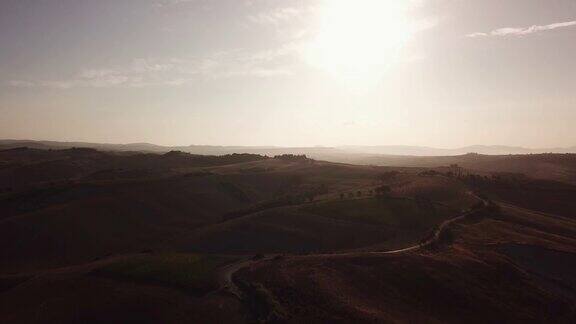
(522, 31)
(171, 3)
(175, 72)
(20, 84)
(277, 16)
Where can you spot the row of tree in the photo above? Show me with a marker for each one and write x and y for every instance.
(293, 158)
(380, 191)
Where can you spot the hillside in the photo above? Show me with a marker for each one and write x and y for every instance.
(317, 152)
(516, 267)
(75, 205)
(175, 237)
(559, 167)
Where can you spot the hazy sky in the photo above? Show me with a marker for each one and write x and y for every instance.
(442, 73)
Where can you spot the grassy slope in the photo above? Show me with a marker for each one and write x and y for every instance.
(557, 167)
(73, 223)
(76, 223)
(478, 279)
(393, 212)
(322, 226)
(58, 226)
(193, 273)
(546, 196)
(74, 298)
(409, 288)
(472, 281)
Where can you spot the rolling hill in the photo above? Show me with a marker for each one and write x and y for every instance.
(117, 236)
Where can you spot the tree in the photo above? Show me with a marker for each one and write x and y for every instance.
(387, 176)
(383, 190)
(309, 196)
(292, 157)
(456, 170)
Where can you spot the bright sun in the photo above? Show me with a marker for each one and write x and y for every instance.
(358, 39)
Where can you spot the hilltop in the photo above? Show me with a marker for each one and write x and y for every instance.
(316, 151)
(176, 237)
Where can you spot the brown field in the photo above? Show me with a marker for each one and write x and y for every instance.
(93, 236)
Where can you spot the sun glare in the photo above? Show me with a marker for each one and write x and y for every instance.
(357, 40)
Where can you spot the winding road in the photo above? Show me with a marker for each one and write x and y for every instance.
(225, 275)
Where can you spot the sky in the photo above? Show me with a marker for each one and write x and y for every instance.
(443, 73)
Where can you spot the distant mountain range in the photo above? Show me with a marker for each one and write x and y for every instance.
(315, 152)
(430, 151)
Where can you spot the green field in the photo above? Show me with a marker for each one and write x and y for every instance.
(392, 212)
(193, 273)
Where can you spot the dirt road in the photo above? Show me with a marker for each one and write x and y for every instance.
(226, 274)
